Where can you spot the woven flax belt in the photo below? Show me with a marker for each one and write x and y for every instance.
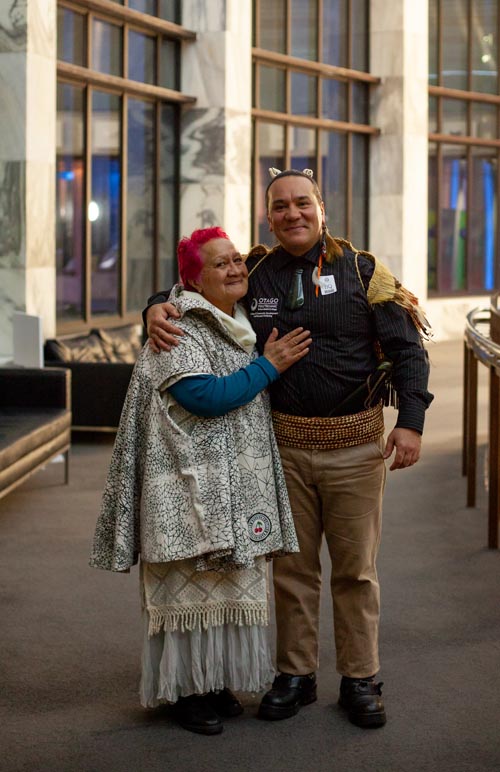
(317, 433)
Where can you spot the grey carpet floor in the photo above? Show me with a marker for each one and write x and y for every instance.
(70, 641)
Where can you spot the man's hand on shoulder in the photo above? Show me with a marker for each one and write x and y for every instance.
(162, 333)
(407, 443)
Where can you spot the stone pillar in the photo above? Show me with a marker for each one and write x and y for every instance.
(216, 134)
(27, 163)
(398, 158)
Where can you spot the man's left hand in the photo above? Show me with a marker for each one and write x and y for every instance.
(407, 443)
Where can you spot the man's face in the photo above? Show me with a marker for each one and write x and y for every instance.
(295, 215)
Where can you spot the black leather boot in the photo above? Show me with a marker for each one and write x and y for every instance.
(362, 698)
(288, 694)
(195, 714)
(225, 703)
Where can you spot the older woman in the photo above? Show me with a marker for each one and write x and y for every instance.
(196, 488)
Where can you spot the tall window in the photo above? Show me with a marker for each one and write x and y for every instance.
(464, 145)
(310, 105)
(118, 99)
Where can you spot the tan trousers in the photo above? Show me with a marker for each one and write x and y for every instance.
(338, 493)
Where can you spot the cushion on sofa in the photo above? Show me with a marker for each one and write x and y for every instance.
(77, 348)
(121, 344)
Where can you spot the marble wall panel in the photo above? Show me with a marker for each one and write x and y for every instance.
(386, 166)
(201, 16)
(238, 141)
(40, 293)
(13, 107)
(13, 25)
(42, 27)
(386, 53)
(40, 109)
(388, 107)
(202, 204)
(389, 14)
(12, 298)
(40, 205)
(202, 144)
(204, 70)
(12, 214)
(237, 214)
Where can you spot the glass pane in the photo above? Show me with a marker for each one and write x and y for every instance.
(432, 220)
(71, 37)
(433, 42)
(272, 27)
(271, 145)
(141, 57)
(304, 94)
(304, 30)
(167, 222)
(272, 89)
(481, 268)
(454, 54)
(70, 186)
(104, 207)
(334, 172)
(144, 6)
(359, 23)
(334, 30)
(485, 46)
(334, 100)
(303, 149)
(358, 232)
(454, 117)
(106, 47)
(169, 64)
(360, 102)
(453, 219)
(169, 10)
(140, 202)
(484, 120)
(433, 116)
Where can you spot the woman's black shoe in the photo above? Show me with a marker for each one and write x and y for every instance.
(288, 694)
(362, 698)
(225, 703)
(196, 714)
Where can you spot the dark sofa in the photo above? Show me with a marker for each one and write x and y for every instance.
(101, 364)
(35, 421)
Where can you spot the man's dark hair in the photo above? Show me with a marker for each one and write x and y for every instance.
(294, 173)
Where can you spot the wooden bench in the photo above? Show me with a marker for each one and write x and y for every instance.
(35, 422)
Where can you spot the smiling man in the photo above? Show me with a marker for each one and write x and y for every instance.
(328, 420)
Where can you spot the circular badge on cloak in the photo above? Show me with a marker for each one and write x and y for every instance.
(259, 526)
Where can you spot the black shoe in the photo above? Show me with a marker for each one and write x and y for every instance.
(288, 694)
(363, 701)
(225, 703)
(195, 714)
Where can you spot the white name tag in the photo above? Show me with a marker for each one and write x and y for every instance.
(327, 285)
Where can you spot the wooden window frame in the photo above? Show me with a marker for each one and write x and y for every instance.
(89, 80)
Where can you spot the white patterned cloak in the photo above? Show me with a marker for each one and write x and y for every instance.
(180, 486)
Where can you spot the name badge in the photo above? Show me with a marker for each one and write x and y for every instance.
(327, 285)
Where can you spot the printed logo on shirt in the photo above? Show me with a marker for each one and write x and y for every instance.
(262, 307)
(259, 526)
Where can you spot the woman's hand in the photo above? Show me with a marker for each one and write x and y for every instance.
(162, 333)
(283, 353)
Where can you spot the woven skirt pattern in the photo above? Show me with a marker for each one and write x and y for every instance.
(318, 433)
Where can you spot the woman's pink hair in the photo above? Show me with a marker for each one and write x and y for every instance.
(188, 253)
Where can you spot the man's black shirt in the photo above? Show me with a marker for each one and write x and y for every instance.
(344, 329)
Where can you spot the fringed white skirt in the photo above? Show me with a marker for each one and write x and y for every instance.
(203, 631)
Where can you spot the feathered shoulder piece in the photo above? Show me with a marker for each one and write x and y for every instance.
(384, 286)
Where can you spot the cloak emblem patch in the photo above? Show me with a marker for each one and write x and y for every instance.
(259, 526)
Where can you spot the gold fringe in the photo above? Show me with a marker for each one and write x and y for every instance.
(201, 616)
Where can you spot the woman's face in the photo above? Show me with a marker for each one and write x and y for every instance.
(224, 277)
